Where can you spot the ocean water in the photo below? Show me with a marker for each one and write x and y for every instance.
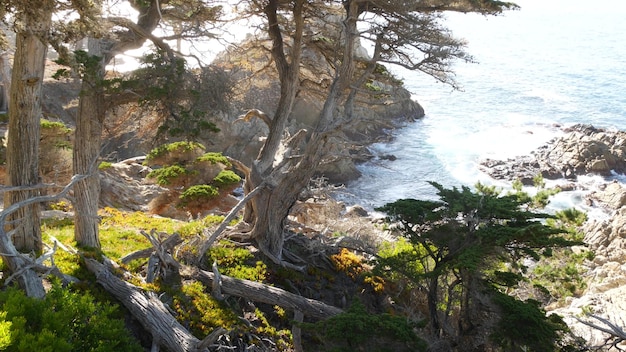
(552, 63)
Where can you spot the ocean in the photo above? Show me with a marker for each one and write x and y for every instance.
(553, 63)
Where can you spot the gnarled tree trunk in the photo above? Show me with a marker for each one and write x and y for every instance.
(24, 124)
(288, 175)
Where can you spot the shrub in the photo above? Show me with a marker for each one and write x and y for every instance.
(200, 311)
(173, 148)
(237, 262)
(358, 330)
(214, 158)
(225, 178)
(166, 175)
(62, 321)
(198, 193)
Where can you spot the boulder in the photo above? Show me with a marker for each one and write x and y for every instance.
(583, 150)
(612, 196)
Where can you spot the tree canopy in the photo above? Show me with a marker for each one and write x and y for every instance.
(468, 250)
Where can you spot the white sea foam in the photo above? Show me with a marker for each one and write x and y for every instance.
(535, 74)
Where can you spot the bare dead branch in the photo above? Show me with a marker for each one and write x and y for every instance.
(231, 215)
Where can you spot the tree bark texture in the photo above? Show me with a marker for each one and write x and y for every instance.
(148, 310)
(258, 292)
(24, 124)
(287, 178)
(88, 133)
(90, 121)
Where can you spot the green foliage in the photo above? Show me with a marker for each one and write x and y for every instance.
(166, 175)
(373, 87)
(187, 98)
(81, 63)
(237, 262)
(358, 330)
(215, 158)
(467, 241)
(172, 148)
(198, 193)
(225, 178)
(282, 337)
(539, 333)
(105, 165)
(200, 311)
(51, 125)
(62, 321)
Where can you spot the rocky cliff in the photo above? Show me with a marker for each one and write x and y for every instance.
(583, 150)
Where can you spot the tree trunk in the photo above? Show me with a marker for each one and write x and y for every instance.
(258, 292)
(287, 178)
(24, 126)
(5, 80)
(433, 301)
(89, 125)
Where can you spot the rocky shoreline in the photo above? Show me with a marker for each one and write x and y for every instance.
(585, 150)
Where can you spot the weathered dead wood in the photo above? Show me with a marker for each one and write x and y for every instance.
(166, 245)
(616, 334)
(296, 331)
(252, 113)
(161, 263)
(259, 292)
(231, 215)
(23, 267)
(148, 310)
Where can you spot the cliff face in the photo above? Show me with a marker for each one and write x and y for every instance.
(605, 295)
(381, 105)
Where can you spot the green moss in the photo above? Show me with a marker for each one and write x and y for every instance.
(166, 175)
(105, 165)
(200, 311)
(215, 158)
(225, 178)
(237, 262)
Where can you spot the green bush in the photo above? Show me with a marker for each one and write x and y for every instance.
(176, 147)
(198, 193)
(62, 321)
(358, 330)
(225, 178)
(166, 175)
(237, 262)
(215, 158)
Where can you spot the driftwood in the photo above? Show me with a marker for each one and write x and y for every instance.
(259, 292)
(153, 315)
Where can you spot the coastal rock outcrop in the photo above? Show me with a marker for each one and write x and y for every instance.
(605, 295)
(583, 149)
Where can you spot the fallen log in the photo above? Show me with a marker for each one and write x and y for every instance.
(148, 310)
(258, 292)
